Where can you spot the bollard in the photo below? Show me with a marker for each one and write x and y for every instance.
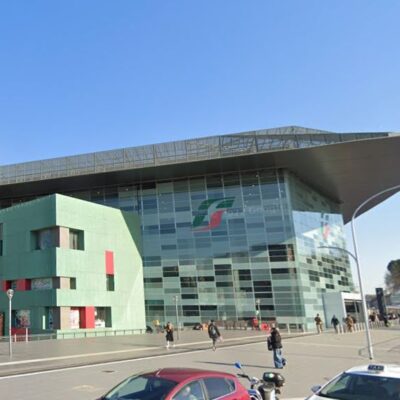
(26, 334)
(288, 329)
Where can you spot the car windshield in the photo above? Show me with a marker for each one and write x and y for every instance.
(350, 386)
(142, 387)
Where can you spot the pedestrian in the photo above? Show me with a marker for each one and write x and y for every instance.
(157, 325)
(255, 323)
(318, 323)
(349, 323)
(214, 334)
(335, 323)
(275, 344)
(169, 330)
(385, 320)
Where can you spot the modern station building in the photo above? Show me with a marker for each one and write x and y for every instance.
(229, 225)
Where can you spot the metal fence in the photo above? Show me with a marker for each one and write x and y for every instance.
(27, 337)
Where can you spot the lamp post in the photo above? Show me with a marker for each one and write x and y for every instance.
(357, 258)
(177, 316)
(10, 294)
(258, 308)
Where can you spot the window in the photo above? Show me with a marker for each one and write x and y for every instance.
(76, 239)
(354, 387)
(102, 317)
(281, 252)
(192, 391)
(22, 318)
(142, 387)
(72, 283)
(218, 387)
(45, 238)
(57, 237)
(110, 283)
(41, 283)
(1, 239)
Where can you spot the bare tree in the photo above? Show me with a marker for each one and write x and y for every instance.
(392, 276)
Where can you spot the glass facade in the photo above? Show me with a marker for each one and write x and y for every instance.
(222, 242)
(318, 224)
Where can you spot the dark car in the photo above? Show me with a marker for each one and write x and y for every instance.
(179, 384)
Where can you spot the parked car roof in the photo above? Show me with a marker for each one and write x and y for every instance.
(181, 374)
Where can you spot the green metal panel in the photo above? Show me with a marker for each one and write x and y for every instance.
(104, 229)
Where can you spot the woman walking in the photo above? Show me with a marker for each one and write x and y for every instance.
(169, 329)
(275, 341)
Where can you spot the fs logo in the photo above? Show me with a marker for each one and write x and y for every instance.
(213, 209)
(325, 226)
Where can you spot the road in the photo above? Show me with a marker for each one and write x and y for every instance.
(311, 360)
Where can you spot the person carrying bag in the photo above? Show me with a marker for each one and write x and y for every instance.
(274, 343)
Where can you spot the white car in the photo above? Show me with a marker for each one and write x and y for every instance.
(367, 382)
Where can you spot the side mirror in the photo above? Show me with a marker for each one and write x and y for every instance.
(238, 365)
(316, 388)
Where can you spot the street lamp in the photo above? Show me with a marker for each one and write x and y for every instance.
(258, 309)
(177, 316)
(10, 294)
(357, 258)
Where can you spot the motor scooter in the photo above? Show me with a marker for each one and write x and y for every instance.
(266, 388)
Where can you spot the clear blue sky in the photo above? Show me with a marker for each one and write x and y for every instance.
(81, 76)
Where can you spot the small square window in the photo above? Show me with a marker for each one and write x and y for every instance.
(72, 283)
(1, 239)
(110, 283)
(45, 238)
(76, 239)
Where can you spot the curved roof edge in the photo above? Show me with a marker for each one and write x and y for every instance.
(347, 172)
(184, 151)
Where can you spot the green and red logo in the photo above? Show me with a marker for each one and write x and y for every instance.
(325, 226)
(213, 209)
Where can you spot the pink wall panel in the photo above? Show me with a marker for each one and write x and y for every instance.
(109, 262)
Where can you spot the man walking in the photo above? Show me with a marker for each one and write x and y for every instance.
(214, 334)
(275, 341)
(318, 323)
(169, 337)
(335, 323)
(349, 323)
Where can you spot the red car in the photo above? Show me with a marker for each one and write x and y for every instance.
(179, 384)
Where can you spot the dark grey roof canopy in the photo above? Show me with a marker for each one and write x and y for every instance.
(346, 167)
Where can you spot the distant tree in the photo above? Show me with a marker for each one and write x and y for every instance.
(392, 277)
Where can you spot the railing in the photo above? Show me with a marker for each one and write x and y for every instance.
(175, 152)
(360, 326)
(238, 325)
(78, 334)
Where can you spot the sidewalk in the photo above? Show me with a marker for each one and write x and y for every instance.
(56, 354)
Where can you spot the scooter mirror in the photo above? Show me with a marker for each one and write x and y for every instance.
(316, 388)
(238, 365)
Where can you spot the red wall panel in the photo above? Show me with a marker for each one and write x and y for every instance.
(86, 317)
(23, 284)
(109, 262)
